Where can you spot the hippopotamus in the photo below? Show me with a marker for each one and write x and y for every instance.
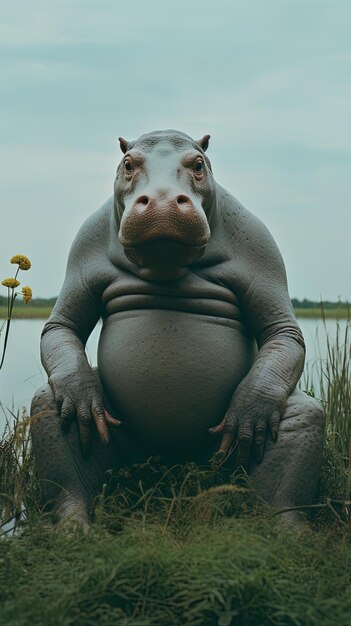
(199, 354)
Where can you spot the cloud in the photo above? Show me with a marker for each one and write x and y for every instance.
(49, 193)
(269, 81)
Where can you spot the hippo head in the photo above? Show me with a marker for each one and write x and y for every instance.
(164, 201)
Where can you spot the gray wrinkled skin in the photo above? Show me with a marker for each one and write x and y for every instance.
(199, 352)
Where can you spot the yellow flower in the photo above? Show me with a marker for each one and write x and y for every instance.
(22, 261)
(27, 294)
(12, 283)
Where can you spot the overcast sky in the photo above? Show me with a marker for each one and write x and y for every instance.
(270, 80)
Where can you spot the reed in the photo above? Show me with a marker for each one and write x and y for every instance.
(19, 489)
(335, 389)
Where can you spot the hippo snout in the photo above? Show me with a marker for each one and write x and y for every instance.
(162, 216)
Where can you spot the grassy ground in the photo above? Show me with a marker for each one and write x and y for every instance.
(188, 546)
(245, 570)
(183, 547)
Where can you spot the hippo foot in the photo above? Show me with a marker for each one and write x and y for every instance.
(293, 521)
(71, 512)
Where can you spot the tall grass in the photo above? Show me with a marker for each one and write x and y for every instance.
(19, 489)
(329, 379)
(335, 389)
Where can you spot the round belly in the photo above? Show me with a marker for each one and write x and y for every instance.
(170, 376)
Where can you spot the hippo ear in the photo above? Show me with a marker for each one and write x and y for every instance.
(123, 144)
(203, 142)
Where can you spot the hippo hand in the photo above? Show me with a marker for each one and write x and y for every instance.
(80, 397)
(249, 419)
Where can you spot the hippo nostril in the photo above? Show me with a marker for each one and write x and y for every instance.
(182, 200)
(143, 200)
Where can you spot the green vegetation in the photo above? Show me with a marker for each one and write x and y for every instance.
(167, 566)
(326, 305)
(334, 390)
(324, 309)
(30, 312)
(187, 545)
(40, 308)
(318, 313)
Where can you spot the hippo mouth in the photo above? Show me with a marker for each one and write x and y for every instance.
(177, 238)
(166, 252)
(153, 237)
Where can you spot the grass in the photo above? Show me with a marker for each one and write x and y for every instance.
(242, 570)
(190, 546)
(33, 311)
(182, 546)
(19, 489)
(334, 388)
(27, 312)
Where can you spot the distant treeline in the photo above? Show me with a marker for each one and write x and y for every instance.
(325, 304)
(36, 302)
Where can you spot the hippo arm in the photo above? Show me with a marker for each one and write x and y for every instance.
(76, 388)
(259, 401)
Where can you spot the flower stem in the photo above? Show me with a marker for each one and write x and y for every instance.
(10, 303)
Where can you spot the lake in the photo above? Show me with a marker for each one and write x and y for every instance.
(22, 372)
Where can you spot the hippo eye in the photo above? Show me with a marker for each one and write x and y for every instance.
(199, 166)
(128, 166)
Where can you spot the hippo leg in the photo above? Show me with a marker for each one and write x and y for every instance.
(68, 482)
(289, 473)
